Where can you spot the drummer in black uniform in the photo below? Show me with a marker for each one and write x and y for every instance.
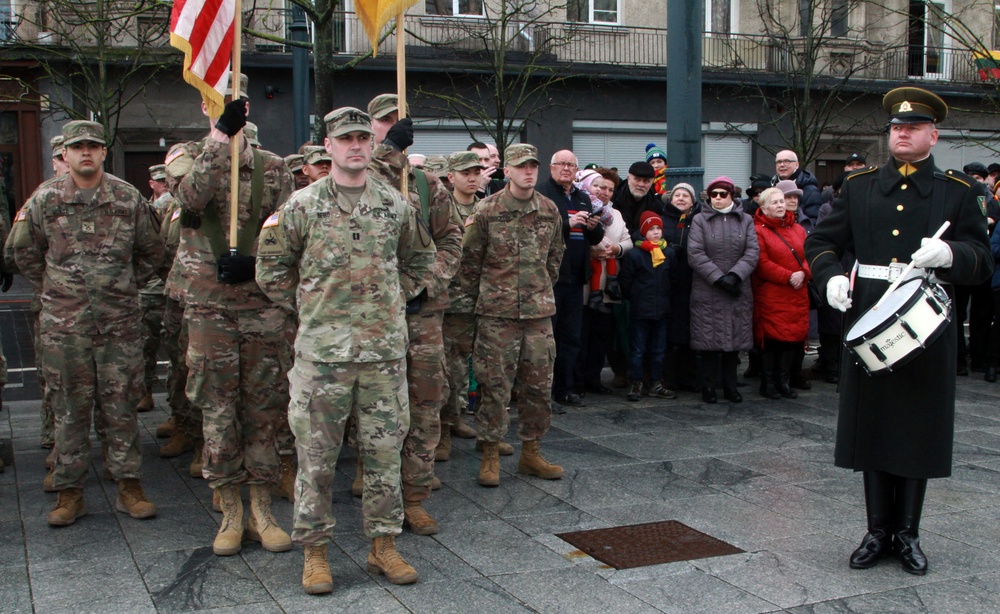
(898, 429)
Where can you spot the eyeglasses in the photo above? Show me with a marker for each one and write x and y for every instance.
(719, 193)
(785, 161)
(566, 164)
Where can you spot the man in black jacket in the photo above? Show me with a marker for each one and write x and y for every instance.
(580, 231)
(635, 195)
(786, 166)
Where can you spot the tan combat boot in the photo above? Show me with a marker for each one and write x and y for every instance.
(383, 559)
(178, 444)
(197, 463)
(463, 430)
(132, 501)
(50, 459)
(316, 578)
(358, 485)
(436, 483)
(166, 429)
(216, 501)
(47, 482)
(443, 450)
(230, 536)
(261, 525)
(532, 463)
(285, 488)
(417, 518)
(146, 404)
(489, 466)
(504, 448)
(69, 507)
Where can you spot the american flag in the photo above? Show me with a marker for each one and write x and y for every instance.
(203, 30)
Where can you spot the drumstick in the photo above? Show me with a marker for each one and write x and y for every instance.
(909, 267)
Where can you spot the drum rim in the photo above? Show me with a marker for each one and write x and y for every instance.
(851, 342)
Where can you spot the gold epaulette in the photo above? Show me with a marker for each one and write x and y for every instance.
(861, 171)
(959, 177)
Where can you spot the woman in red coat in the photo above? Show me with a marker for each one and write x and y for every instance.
(780, 293)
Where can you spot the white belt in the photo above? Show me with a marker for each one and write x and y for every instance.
(886, 273)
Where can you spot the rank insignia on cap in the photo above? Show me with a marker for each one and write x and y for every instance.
(271, 221)
(905, 107)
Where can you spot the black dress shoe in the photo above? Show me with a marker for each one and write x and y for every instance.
(599, 389)
(731, 394)
(874, 547)
(708, 395)
(991, 374)
(907, 548)
(571, 400)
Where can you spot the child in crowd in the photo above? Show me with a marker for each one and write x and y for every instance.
(657, 158)
(600, 268)
(646, 277)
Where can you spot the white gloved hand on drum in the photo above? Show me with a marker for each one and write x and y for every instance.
(933, 254)
(836, 293)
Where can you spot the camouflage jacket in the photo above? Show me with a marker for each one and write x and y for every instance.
(512, 252)
(87, 260)
(170, 234)
(444, 225)
(197, 175)
(460, 301)
(341, 270)
(159, 207)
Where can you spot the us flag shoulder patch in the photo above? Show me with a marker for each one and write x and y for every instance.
(271, 221)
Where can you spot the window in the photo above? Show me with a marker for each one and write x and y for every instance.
(838, 18)
(454, 7)
(719, 16)
(6, 21)
(805, 16)
(996, 26)
(592, 11)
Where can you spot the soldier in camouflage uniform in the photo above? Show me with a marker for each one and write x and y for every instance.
(513, 247)
(338, 253)
(151, 303)
(86, 241)
(425, 357)
(294, 164)
(238, 355)
(315, 163)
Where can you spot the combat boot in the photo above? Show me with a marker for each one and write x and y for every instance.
(178, 444)
(50, 459)
(504, 448)
(69, 507)
(462, 430)
(285, 488)
(489, 466)
(316, 578)
(132, 501)
(47, 482)
(417, 518)
(197, 461)
(358, 485)
(261, 525)
(216, 501)
(435, 483)
(532, 462)
(166, 429)
(443, 450)
(228, 540)
(146, 404)
(383, 559)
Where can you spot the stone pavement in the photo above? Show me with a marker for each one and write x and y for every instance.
(758, 475)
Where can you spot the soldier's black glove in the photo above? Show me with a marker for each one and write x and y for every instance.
(7, 281)
(234, 117)
(190, 220)
(400, 136)
(235, 268)
(415, 304)
(730, 282)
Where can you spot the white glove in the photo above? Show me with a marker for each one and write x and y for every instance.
(933, 254)
(836, 293)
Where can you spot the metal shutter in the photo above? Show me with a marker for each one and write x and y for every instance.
(726, 155)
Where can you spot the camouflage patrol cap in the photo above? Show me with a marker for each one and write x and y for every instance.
(437, 166)
(914, 105)
(244, 86)
(294, 162)
(250, 131)
(346, 120)
(464, 160)
(315, 155)
(80, 130)
(158, 172)
(520, 153)
(56, 143)
(382, 105)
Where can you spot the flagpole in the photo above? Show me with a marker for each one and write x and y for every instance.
(236, 139)
(401, 83)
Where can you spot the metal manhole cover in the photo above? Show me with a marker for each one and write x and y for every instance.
(651, 543)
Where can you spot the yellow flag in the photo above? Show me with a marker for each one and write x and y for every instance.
(374, 14)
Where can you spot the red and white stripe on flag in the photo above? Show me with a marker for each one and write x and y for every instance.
(203, 30)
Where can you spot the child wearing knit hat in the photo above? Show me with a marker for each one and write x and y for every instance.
(657, 158)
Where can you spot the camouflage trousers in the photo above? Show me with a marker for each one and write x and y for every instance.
(507, 351)
(323, 395)
(93, 373)
(45, 411)
(186, 416)
(459, 330)
(238, 362)
(285, 438)
(425, 378)
(151, 306)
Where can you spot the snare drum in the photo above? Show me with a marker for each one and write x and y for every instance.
(909, 320)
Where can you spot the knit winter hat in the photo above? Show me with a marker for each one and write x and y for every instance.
(688, 187)
(723, 183)
(652, 151)
(647, 220)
